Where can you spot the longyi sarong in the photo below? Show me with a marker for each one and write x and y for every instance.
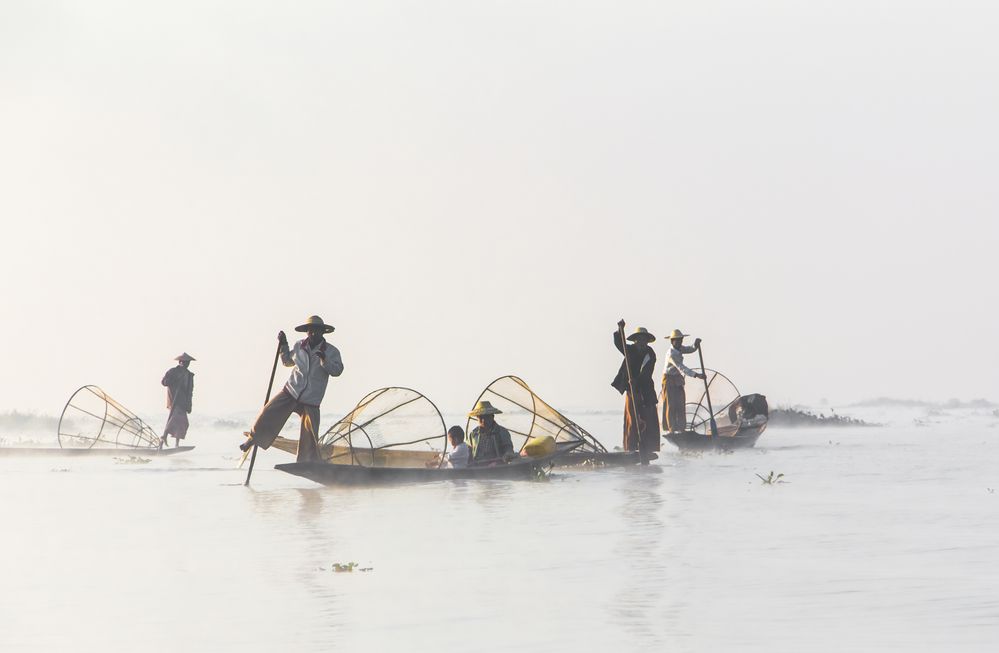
(650, 427)
(177, 423)
(275, 415)
(674, 403)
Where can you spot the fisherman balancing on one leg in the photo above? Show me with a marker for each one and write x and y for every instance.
(674, 393)
(641, 430)
(314, 361)
(179, 382)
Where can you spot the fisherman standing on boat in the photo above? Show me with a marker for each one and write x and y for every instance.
(674, 393)
(642, 360)
(490, 441)
(179, 382)
(315, 361)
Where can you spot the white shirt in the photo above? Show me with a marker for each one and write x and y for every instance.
(459, 456)
(308, 380)
(674, 360)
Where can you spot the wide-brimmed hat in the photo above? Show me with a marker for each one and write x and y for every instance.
(642, 332)
(185, 358)
(312, 322)
(484, 408)
(676, 333)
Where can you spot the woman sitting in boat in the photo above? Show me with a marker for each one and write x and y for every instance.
(490, 441)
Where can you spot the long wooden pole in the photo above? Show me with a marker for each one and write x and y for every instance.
(270, 386)
(631, 393)
(707, 393)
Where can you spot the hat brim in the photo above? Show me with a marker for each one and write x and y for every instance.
(644, 336)
(185, 359)
(482, 413)
(304, 328)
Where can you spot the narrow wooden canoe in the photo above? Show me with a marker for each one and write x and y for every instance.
(94, 451)
(743, 438)
(338, 474)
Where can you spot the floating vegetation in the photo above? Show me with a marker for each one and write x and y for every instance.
(131, 460)
(991, 490)
(772, 479)
(543, 474)
(794, 417)
(222, 423)
(59, 469)
(341, 567)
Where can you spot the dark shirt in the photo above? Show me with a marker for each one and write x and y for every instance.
(490, 443)
(643, 362)
(179, 382)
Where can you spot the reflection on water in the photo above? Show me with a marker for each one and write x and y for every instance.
(638, 549)
(873, 545)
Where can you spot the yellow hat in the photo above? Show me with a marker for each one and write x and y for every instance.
(642, 332)
(676, 333)
(312, 322)
(484, 408)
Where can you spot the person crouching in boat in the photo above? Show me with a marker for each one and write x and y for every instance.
(674, 393)
(179, 382)
(490, 441)
(642, 360)
(314, 361)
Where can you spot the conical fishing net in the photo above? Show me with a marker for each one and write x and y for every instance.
(92, 419)
(390, 427)
(724, 396)
(527, 416)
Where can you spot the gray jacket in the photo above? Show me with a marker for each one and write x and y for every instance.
(308, 380)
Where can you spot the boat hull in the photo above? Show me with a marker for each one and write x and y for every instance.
(336, 474)
(94, 451)
(744, 438)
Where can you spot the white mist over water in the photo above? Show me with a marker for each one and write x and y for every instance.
(882, 539)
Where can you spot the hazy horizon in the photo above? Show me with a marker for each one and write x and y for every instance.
(472, 190)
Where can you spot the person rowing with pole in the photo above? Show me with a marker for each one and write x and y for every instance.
(314, 361)
(674, 392)
(634, 380)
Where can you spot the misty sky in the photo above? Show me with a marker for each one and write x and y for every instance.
(470, 189)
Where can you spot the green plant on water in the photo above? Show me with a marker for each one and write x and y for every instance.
(771, 479)
(542, 474)
(131, 460)
(344, 566)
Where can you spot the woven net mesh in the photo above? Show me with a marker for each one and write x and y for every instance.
(390, 427)
(92, 419)
(723, 395)
(527, 416)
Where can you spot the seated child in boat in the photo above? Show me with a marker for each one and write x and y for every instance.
(460, 455)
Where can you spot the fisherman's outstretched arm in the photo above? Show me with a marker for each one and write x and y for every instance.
(287, 359)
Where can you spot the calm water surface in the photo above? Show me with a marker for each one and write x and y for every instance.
(882, 539)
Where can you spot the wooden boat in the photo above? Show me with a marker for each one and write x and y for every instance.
(527, 416)
(93, 451)
(340, 474)
(742, 437)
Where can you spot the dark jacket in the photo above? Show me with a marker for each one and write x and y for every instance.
(179, 382)
(645, 387)
(491, 443)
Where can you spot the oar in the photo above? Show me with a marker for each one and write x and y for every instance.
(270, 385)
(631, 392)
(707, 394)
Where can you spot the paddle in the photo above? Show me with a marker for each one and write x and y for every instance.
(270, 386)
(707, 393)
(631, 393)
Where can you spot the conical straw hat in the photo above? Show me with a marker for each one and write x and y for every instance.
(185, 357)
(642, 332)
(484, 408)
(314, 321)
